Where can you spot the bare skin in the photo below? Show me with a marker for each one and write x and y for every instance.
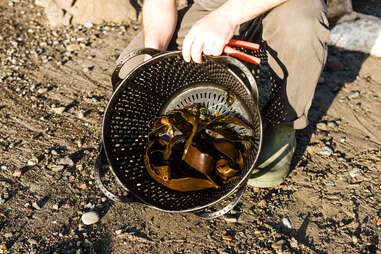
(209, 35)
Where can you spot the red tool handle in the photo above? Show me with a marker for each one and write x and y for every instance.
(244, 44)
(240, 55)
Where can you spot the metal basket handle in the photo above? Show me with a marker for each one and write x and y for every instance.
(242, 72)
(101, 165)
(227, 208)
(115, 79)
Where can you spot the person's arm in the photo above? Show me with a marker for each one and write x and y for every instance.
(159, 22)
(211, 33)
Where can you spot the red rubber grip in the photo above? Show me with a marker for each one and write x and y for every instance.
(244, 44)
(243, 56)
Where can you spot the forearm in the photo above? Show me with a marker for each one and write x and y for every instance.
(240, 11)
(159, 22)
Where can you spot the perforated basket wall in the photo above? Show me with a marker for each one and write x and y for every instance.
(145, 94)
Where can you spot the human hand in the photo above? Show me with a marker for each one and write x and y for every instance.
(209, 35)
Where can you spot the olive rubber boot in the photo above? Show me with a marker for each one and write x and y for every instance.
(274, 161)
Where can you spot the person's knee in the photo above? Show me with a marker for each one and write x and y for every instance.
(298, 20)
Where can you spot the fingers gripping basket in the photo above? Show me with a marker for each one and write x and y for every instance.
(155, 87)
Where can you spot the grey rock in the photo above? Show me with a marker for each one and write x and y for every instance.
(61, 12)
(90, 218)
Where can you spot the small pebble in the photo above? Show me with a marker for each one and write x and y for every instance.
(286, 222)
(32, 241)
(17, 172)
(32, 162)
(55, 207)
(8, 235)
(353, 173)
(36, 205)
(354, 239)
(326, 151)
(65, 161)
(332, 124)
(322, 126)
(57, 168)
(262, 203)
(42, 90)
(88, 25)
(294, 243)
(90, 218)
(118, 232)
(354, 95)
(58, 110)
(81, 115)
(278, 244)
(341, 160)
(227, 237)
(4, 167)
(230, 219)
(72, 47)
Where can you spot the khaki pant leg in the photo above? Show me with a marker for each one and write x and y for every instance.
(298, 32)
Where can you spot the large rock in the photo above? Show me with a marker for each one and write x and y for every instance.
(358, 32)
(65, 12)
(338, 8)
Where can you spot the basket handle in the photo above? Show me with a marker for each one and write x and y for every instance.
(227, 208)
(241, 71)
(101, 165)
(115, 79)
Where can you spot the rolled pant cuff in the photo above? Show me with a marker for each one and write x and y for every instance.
(298, 124)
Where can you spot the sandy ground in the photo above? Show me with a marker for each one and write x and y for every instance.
(55, 84)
